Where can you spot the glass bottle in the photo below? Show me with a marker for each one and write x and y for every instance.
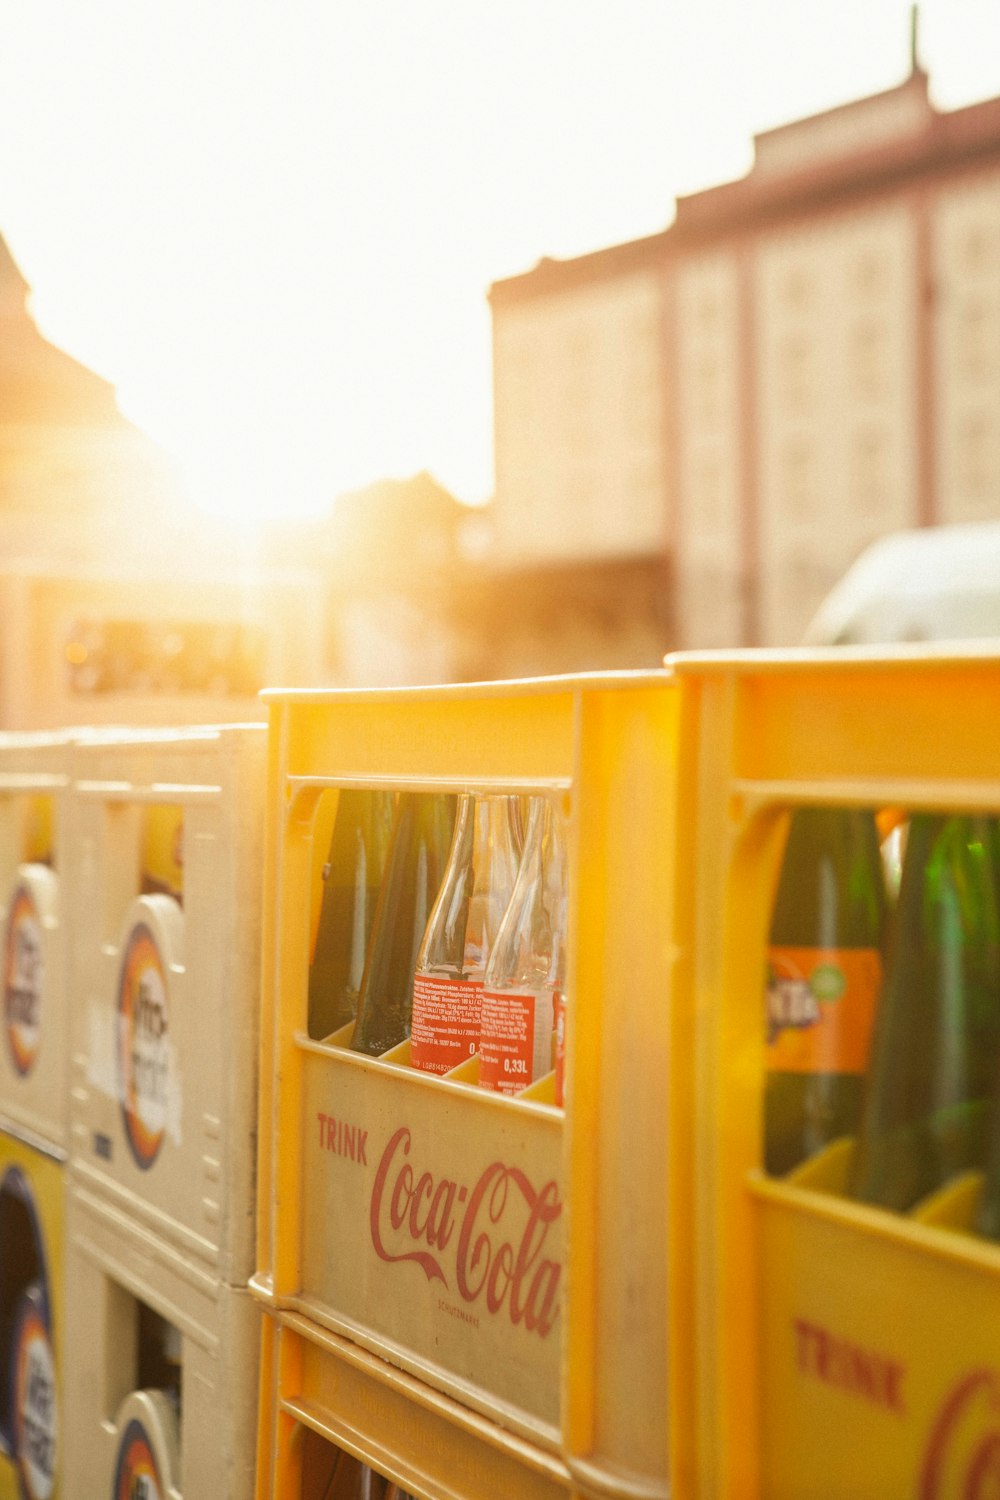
(451, 965)
(352, 878)
(330, 1473)
(527, 966)
(823, 981)
(415, 863)
(936, 1037)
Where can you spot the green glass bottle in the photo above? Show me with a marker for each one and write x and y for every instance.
(414, 868)
(824, 977)
(934, 1050)
(988, 1216)
(352, 878)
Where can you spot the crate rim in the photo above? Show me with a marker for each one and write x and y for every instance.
(514, 687)
(793, 660)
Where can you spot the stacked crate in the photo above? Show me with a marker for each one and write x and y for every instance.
(161, 1333)
(517, 1345)
(34, 773)
(822, 1346)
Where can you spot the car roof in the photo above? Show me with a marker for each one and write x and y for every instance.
(938, 583)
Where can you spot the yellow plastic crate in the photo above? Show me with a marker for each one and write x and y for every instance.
(314, 1381)
(166, 1001)
(587, 1387)
(34, 1050)
(32, 1333)
(835, 1349)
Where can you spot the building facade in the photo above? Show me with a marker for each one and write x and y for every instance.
(805, 360)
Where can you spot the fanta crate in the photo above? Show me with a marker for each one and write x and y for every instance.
(161, 1365)
(34, 1056)
(32, 1333)
(841, 1332)
(165, 872)
(324, 1398)
(506, 1251)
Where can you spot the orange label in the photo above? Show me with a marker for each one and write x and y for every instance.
(444, 1029)
(820, 1008)
(35, 1406)
(136, 1474)
(24, 975)
(515, 1047)
(143, 1045)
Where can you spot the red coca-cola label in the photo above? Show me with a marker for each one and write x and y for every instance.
(515, 1045)
(484, 1241)
(444, 1030)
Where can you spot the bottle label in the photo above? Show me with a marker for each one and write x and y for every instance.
(35, 1406)
(820, 1008)
(24, 977)
(444, 1030)
(515, 1047)
(143, 1045)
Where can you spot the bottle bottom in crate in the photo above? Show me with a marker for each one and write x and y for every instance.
(330, 1473)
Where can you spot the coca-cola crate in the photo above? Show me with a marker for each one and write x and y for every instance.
(165, 871)
(32, 1333)
(160, 1360)
(321, 1392)
(34, 1052)
(533, 1294)
(835, 1348)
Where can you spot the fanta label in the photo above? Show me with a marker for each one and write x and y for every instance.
(821, 1008)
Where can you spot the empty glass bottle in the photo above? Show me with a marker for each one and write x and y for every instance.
(415, 862)
(527, 966)
(824, 977)
(474, 895)
(937, 1033)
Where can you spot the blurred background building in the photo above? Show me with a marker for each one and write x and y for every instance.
(118, 600)
(805, 360)
(695, 434)
(71, 466)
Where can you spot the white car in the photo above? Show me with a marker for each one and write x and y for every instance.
(937, 584)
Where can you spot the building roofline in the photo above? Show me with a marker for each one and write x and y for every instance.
(554, 275)
(948, 140)
(943, 141)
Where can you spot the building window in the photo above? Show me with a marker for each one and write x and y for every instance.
(706, 390)
(707, 313)
(797, 290)
(977, 337)
(710, 505)
(795, 372)
(979, 252)
(869, 475)
(868, 275)
(797, 481)
(867, 359)
(978, 465)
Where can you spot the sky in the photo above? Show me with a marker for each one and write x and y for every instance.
(272, 224)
